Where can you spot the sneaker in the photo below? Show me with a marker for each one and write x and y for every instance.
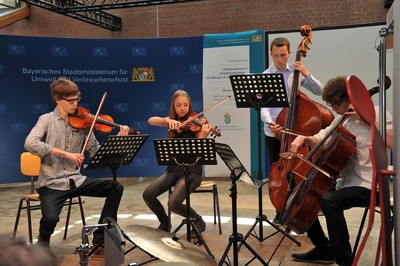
(316, 255)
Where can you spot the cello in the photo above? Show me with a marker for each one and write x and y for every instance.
(304, 116)
(332, 154)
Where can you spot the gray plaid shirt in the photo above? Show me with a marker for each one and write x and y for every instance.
(52, 131)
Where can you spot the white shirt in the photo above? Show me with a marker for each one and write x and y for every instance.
(358, 171)
(269, 115)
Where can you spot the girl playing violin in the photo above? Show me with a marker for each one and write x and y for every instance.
(181, 107)
(59, 146)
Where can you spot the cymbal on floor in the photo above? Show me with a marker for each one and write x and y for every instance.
(167, 247)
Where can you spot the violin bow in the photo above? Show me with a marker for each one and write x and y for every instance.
(205, 110)
(94, 122)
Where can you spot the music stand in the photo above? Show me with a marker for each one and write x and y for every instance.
(237, 171)
(115, 152)
(186, 152)
(257, 91)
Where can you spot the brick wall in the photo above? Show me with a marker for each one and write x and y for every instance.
(208, 16)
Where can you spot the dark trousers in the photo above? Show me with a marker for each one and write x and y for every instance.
(177, 197)
(52, 202)
(273, 148)
(333, 205)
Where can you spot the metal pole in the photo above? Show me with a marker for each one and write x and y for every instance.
(393, 20)
(382, 86)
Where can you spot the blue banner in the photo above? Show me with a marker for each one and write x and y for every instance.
(139, 76)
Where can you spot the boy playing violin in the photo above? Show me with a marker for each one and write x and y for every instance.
(58, 144)
(181, 107)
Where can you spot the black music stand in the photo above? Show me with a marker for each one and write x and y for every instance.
(257, 91)
(186, 152)
(115, 152)
(237, 171)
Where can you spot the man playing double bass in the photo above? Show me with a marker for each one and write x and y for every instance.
(353, 188)
(280, 53)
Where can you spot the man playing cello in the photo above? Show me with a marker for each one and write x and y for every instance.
(353, 189)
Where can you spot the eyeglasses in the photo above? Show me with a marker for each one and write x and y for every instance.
(71, 101)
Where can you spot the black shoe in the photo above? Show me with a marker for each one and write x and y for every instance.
(277, 219)
(164, 227)
(200, 224)
(97, 249)
(43, 241)
(316, 255)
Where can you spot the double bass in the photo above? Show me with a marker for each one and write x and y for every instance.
(304, 116)
(331, 155)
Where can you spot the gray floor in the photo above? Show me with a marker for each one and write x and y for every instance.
(133, 213)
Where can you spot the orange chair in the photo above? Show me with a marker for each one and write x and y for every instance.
(30, 166)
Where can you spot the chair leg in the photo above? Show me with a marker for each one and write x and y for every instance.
(82, 211)
(80, 202)
(216, 203)
(28, 212)
(360, 231)
(67, 221)
(21, 201)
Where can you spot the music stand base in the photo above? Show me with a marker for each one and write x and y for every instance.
(259, 221)
(233, 241)
(190, 223)
(263, 218)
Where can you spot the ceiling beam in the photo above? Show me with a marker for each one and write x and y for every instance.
(117, 4)
(92, 11)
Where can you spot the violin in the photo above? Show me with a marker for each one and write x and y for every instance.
(194, 124)
(83, 119)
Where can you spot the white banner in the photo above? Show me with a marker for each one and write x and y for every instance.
(225, 55)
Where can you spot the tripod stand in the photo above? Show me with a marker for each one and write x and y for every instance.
(116, 151)
(186, 152)
(237, 171)
(257, 91)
